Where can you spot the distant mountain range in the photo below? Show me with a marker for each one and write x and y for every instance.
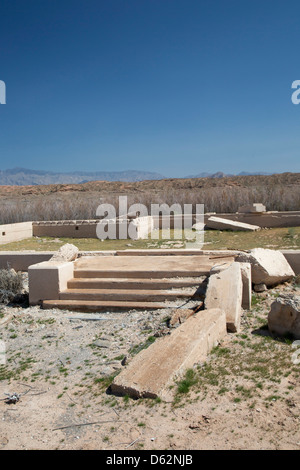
(24, 176)
(220, 174)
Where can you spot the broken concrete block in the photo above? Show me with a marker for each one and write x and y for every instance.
(219, 223)
(225, 291)
(67, 252)
(284, 316)
(153, 370)
(199, 226)
(267, 266)
(247, 285)
(252, 208)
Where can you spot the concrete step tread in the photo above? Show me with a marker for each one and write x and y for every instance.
(187, 290)
(133, 283)
(155, 274)
(95, 305)
(129, 295)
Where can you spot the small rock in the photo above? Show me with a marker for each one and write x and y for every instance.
(260, 287)
(284, 316)
(124, 361)
(102, 343)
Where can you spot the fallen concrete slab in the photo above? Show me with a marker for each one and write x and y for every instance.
(268, 267)
(154, 369)
(225, 291)
(225, 224)
(284, 316)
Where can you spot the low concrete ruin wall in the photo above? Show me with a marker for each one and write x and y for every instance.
(15, 232)
(20, 261)
(138, 228)
(263, 220)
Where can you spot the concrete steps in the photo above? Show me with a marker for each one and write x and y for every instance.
(123, 283)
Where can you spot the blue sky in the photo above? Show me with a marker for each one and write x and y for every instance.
(173, 86)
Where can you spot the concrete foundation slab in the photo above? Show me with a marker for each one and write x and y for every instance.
(154, 369)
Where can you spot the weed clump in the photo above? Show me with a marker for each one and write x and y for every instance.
(11, 285)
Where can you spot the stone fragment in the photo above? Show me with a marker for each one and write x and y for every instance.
(268, 267)
(67, 252)
(180, 315)
(219, 223)
(102, 343)
(260, 287)
(284, 316)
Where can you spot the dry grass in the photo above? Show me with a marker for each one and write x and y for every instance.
(275, 239)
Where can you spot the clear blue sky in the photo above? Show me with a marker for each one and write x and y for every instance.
(173, 86)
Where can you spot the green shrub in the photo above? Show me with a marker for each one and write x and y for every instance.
(11, 285)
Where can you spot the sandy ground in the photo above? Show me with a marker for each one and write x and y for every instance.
(60, 364)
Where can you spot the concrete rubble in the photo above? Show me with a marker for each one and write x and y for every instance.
(268, 267)
(219, 286)
(67, 252)
(284, 316)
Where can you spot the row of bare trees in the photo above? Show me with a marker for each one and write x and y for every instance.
(74, 206)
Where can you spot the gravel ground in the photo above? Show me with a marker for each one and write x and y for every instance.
(59, 364)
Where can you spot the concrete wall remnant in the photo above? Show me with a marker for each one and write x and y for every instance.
(15, 232)
(253, 208)
(48, 279)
